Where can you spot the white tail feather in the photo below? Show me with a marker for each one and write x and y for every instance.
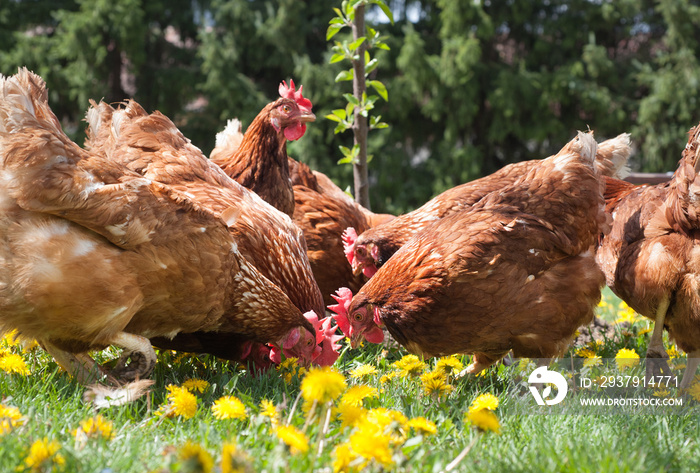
(614, 154)
(229, 139)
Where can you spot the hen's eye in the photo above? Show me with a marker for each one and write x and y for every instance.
(308, 342)
(357, 316)
(286, 109)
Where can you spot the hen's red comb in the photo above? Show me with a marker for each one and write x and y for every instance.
(349, 238)
(344, 298)
(290, 93)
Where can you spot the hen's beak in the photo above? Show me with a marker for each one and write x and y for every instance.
(305, 116)
(357, 268)
(356, 339)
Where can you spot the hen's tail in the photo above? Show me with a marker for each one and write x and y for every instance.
(227, 141)
(683, 199)
(25, 115)
(612, 156)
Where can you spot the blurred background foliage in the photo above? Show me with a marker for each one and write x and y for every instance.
(473, 85)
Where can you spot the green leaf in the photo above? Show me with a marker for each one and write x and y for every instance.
(356, 44)
(382, 45)
(385, 8)
(351, 99)
(337, 21)
(369, 158)
(345, 160)
(338, 12)
(345, 150)
(345, 75)
(336, 58)
(340, 113)
(333, 117)
(380, 88)
(371, 65)
(379, 126)
(332, 30)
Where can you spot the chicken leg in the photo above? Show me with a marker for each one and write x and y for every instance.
(656, 353)
(480, 363)
(690, 369)
(80, 366)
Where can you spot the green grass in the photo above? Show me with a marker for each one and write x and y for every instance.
(52, 407)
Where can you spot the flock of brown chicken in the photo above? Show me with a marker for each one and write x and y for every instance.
(138, 240)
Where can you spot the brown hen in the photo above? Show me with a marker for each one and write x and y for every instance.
(516, 271)
(94, 254)
(259, 161)
(651, 257)
(152, 146)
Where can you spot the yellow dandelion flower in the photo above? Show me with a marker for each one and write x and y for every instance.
(592, 361)
(233, 460)
(483, 419)
(484, 401)
(694, 391)
(363, 371)
(43, 456)
(228, 407)
(585, 352)
(350, 415)
(409, 365)
(449, 365)
(644, 331)
(268, 409)
(435, 383)
(603, 305)
(524, 364)
(389, 376)
(626, 314)
(196, 385)
(297, 441)
(371, 444)
(673, 352)
(356, 394)
(13, 363)
(422, 425)
(95, 427)
(10, 417)
(289, 364)
(663, 392)
(195, 458)
(386, 420)
(343, 456)
(322, 385)
(181, 402)
(626, 358)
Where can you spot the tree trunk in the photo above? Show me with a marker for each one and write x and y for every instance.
(361, 179)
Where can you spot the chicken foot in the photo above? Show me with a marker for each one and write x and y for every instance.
(139, 351)
(656, 353)
(690, 368)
